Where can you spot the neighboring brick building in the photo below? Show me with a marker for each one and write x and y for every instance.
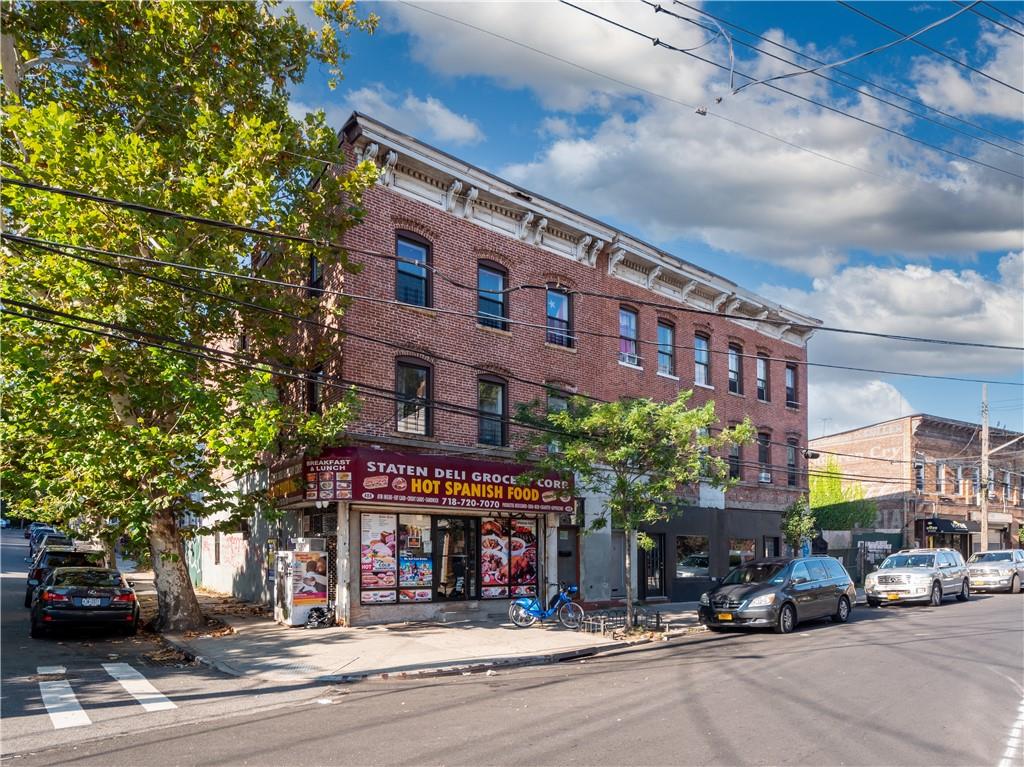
(448, 363)
(924, 472)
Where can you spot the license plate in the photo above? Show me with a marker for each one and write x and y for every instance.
(893, 597)
(977, 582)
(90, 602)
(725, 616)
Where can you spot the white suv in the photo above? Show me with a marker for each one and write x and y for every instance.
(919, 575)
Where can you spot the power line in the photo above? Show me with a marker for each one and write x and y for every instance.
(594, 294)
(54, 247)
(661, 43)
(661, 9)
(989, 18)
(999, 10)
(936, 51)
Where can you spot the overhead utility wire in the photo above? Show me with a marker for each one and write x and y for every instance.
(858, 56)
(999, 10)
(647, 91)
(543, 385)
(222, 356)
(340, 247)
(661, 43)
(658, 8)
(936, 51)
(976, 12)
(54, 247)
(851, 75)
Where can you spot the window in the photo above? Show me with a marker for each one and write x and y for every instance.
(791, 385)
(919, 477)
(817, 570)
(735, 369)
(315, 389)
(959, 480)
(977, 482)
(557, 402)
(666, 349)
(800, 574)
(491, 300)
(771, 546)
(735, 461)
(491, 425)
(991, 483)
(741, 551)
(764, 457)
(762, 378)
(1006, 486)
(627, 337)
(412, 390)
(559, 318)
(940, 478)
(701, 361)
(316, 277)
(791, 478)
(412, 280)
(692, 556)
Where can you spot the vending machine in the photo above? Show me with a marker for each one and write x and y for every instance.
(300, 584)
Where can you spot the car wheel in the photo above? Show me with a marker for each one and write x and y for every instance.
(874, 602)
(132, 630)
(786, 621)
(1014, 585)
(28, 598)
(842, 613)
(35, 631)
(936, 596)
(965, 592)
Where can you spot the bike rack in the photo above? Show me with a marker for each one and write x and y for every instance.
(609, 621)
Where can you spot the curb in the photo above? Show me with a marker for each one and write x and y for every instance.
(184, 647)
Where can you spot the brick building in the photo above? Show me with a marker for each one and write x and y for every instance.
(924, 473)
(446, 345)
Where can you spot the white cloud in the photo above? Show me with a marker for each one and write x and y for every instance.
(838, 405)
(424, 118)
(557, 127)
(942, 84)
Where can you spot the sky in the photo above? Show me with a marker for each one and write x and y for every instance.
(902, 218)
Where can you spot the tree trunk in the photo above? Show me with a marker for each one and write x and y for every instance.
(176, 600)
(629, 579)
(109, 552)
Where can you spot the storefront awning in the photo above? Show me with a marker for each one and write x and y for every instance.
(941, 526)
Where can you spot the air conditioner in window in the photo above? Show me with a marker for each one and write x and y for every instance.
(764, 476)
(629, 359)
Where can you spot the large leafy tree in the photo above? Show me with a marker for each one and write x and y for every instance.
(183, 106)
(639, 454)
(839, 504)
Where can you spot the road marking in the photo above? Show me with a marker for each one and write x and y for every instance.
(1013, 740)
(136, 685)
(60, 701)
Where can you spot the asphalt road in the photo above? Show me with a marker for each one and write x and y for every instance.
(898, 686)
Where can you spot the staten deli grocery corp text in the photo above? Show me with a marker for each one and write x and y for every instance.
(373, 476)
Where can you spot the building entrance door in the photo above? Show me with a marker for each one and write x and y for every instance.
(617, 576)
(456, 541)
(652, 568)
(568, 555)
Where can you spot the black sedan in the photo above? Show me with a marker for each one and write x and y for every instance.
(84, 596)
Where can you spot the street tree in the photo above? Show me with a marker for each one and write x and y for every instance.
(638, 454)
(839, 504)
(133, 390)
(797, 524)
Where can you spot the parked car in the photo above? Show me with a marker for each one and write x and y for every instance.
(997, 570)
(37, 536)
(4, 523)
(919, 575)
(51, 557)
(84, 596)
(54, 539)
(779, 593)
(32, 528)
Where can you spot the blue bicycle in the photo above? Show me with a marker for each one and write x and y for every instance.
(526, 611)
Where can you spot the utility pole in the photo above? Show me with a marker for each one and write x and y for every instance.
(983, 484)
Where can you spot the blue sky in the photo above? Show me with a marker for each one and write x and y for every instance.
(909, 241)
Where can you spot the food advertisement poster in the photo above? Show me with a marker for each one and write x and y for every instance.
(378, 562)
(414, 595)
(494, 557)
(524, 553)
(309, 579)
(416, 571)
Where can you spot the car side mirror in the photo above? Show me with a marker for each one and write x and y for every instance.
(131, 584)
(798, 580)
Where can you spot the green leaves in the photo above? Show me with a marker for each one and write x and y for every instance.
(797, 523)
(838, 505)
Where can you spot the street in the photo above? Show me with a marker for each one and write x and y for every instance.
(903, 685)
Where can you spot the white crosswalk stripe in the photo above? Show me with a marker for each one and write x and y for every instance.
(136, 685)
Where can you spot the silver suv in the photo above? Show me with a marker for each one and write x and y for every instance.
(998, 570)
(919, 575)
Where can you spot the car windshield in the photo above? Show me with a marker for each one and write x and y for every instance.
(908, 560)
(991, 556)
(88, 578)
(755, 574)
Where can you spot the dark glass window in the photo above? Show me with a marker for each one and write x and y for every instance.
(315, 389)
(919, 477)
(735, 461)
(959, 480)
(412, 278)
(666, 349)
(762, 378)
(940, 477)
(491, 300)
(316, 277)
(557, 402)
(764, 457)
(412, 390)
(701, 360)
(735, 369)
(492, 406)
(628, 347)
(559, 318)
(791, 458)
(791, 385)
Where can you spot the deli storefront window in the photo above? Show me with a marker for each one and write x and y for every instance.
(406, 558)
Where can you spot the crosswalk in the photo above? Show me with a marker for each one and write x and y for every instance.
(62, 703)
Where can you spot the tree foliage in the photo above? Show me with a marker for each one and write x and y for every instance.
(635, 453)
(798, 523)
(838, 505)
(184, 106)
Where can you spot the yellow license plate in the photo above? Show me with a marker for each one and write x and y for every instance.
(893, 597)
(725, 616)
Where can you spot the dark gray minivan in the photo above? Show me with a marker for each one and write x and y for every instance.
(779, 593)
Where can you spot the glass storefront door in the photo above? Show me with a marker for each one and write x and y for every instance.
(455, 558)
(653, 567)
